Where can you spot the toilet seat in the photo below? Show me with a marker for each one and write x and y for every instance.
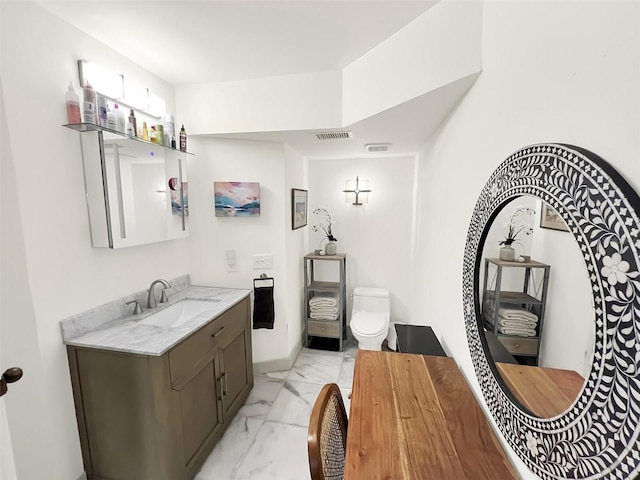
(369, 324)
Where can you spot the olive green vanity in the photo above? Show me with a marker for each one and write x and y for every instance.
(157, 417)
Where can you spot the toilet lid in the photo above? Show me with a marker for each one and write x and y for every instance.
(368, 323)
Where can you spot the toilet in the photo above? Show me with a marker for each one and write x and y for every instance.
(370, 317)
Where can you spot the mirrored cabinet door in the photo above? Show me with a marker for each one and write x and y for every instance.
(137, 192)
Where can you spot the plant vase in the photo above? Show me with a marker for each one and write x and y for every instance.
(508, 253)
(331, 248)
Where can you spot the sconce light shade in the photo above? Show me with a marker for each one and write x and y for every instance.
(357, 192)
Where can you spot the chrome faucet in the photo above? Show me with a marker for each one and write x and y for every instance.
(151, 299)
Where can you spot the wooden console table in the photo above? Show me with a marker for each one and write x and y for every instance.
(414, 417)
(546, 392)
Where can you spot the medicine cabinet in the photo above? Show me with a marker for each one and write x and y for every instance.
(136, 190)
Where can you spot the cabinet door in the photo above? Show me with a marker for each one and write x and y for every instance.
(199, 409)
(235, 371)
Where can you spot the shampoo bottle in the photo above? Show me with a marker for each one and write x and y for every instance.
(121, 123)
(73, 105)
(111, 119)
(89, 106)
(145, 132)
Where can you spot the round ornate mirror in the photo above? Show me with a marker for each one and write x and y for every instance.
(540, 339)
(596, 434)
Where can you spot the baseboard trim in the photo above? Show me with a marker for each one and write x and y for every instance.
(278, 364)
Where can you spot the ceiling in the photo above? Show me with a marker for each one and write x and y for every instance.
(190, 41)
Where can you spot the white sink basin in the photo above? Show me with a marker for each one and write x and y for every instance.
(180, 313)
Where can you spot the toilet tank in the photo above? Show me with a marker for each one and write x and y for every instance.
(371, 300)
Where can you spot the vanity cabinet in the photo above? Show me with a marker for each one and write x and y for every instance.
(321, 328)
(532, 298)
(144, 417)
(136, 190)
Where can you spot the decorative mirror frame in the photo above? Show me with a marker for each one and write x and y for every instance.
(599, 435)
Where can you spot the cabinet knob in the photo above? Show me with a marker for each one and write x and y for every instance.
(323, 329)
(517, 345)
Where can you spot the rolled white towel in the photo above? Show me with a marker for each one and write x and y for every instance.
(324, 300)
(328, 310)
(323, 316)
(506, 322)
(322, 305)
(521, 332)
(517, 313)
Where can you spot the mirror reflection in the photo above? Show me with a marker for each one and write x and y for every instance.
(536, 306)
(137, 192)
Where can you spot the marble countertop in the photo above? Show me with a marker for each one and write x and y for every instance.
(127, 334)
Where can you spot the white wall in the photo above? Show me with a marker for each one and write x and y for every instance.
(296, 168)
(211, 236)
(49, 269)
(7, 464)
(376, 236)
(552, 71)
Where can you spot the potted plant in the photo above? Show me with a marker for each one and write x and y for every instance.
(325, 226)
(507, 252)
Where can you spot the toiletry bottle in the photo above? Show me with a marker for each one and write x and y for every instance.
(132, 121)
(121, 123)
(130, 129)
(102, 111)
(152, 134)
(111, 119)
(89, 106)
(145, 132)
(160, 134)
(73, 105)
(183, 139)
(173, 142)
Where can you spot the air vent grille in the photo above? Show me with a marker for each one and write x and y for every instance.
(333, 135)
(377, 147)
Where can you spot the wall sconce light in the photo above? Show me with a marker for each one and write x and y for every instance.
(357, 192)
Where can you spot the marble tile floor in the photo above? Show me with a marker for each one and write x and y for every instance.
(267, 439)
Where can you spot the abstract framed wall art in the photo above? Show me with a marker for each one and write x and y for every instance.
(237, 199)
(299, 200)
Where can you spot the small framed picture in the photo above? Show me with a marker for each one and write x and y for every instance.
(549, 218)
(298, 208)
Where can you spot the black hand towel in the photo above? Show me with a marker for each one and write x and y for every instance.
(263, 309)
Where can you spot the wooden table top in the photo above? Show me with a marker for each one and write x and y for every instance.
(546, 392)
(415, 417)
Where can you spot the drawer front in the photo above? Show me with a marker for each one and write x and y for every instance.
(196, 348)
(323, 329)
(520, 346)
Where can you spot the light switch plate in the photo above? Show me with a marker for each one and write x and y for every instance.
(262, 261)
(231, 261)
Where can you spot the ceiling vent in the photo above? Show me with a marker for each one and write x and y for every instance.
(333, 135)
(377, 147)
